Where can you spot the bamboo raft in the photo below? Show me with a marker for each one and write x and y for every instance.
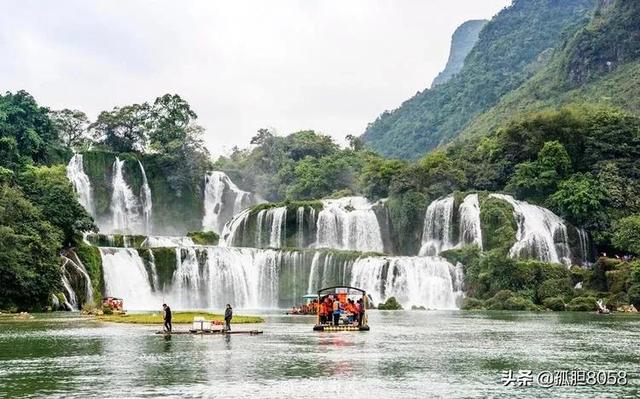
(209, 332)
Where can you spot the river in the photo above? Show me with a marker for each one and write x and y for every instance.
(449, 354)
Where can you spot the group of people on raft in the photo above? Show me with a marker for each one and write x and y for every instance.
(333, 308)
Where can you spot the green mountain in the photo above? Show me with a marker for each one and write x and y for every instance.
(511, 48)
(600, 64)
(462, 41)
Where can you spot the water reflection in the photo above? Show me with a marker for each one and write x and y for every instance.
(407, 354)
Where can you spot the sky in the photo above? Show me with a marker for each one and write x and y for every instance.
(289, 65)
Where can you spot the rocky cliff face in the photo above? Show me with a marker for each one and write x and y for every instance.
(462, 41)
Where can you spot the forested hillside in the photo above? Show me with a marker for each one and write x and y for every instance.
(511, 48)
(599, 64)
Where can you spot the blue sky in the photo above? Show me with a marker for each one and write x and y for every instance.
(328, 65)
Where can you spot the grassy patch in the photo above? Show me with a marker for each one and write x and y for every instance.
(177, 318)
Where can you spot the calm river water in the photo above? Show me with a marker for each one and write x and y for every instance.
(405, 355)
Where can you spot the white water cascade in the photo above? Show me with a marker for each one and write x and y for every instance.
(431, 282)
(541, 233)
(222, 200)
(80, 182)
(145, 199)
(348, 223)
(470, 231)
(126, 277)
(437, 233)
(124, 204)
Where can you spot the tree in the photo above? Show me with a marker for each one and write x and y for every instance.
(71, 125)
(581, 199)
(49, 189)
(172, 119)
(29, 246)
(123, 129)
(537, 179)
(356, 143)
(28, 125)
(377, 174)
(626, 234)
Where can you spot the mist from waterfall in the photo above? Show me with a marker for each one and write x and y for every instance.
(541, 233)
(80, 182)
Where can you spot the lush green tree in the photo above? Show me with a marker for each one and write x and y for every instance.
(49, 189)
(581, 199)
(29, 245)
(72, 126)
(123, 129)
(171, 123)
(626, 234)
(538, 179)
(377, 174)
(25, 129)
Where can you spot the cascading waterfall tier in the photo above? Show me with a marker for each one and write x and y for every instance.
(470, 229)
(78, 289)
(125, 209)
(222, 200)
(541, 233)
(80, 182)
(428, 281)
(438, 221)
(348, 223)
(210, 277)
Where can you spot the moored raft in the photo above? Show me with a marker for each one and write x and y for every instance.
(209, 332)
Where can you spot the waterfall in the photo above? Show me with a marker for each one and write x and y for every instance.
(541, 233)
(167, 242)
(300, 225)
(470, 231)
(276, 217)
(222, 200)
(124, 205)
(431, 282)
(145, 199)
(80, 182)
(349, 223)
(585, 246)
(126, 277)
(75, 279)
(437, 234)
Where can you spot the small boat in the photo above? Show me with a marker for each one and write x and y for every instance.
(309, 306)
(348, 320)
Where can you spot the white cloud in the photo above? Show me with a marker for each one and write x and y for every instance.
(328, 65)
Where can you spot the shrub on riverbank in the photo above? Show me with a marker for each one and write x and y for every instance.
(391, 304)
(582, 304)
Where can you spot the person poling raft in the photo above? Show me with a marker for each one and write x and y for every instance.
(341, 308)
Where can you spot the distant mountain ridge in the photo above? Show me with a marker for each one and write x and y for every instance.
(511, 48)
(462, 41)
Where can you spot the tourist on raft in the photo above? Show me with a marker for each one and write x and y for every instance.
(228, 315)
(166, 317)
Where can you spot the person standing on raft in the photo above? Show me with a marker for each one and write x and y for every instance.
(167, 317)
(228, 315)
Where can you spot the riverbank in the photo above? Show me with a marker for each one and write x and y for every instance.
(177, 318)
